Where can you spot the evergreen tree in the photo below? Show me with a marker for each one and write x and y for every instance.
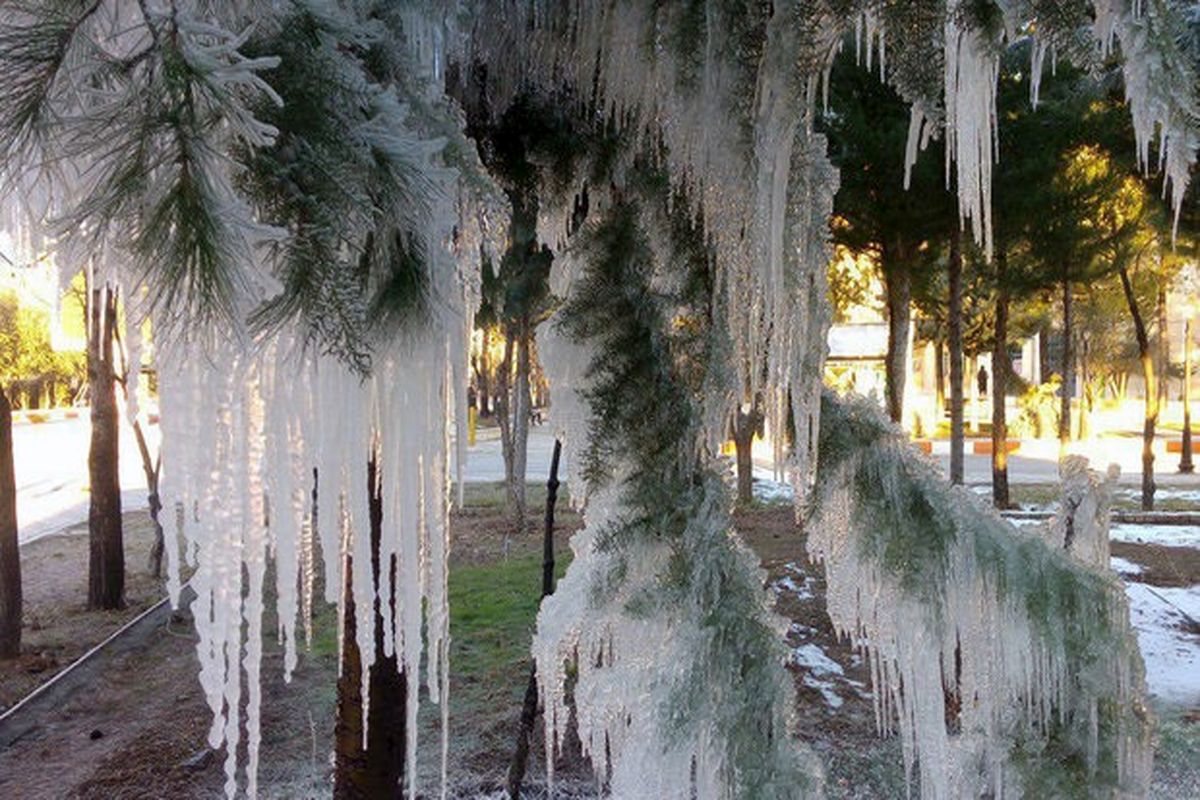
(901, 225)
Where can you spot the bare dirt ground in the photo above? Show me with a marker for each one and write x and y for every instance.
(58, 628)
(140, 730)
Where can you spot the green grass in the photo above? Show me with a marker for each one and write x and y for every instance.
(490, 496)
(1041, 494)
(492, 613)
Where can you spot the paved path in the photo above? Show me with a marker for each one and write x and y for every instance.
(50, 459)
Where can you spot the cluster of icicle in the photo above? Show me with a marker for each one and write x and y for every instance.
(245, 433)
(744, 142)
(266, 439)
(961, 624)
(265, 449)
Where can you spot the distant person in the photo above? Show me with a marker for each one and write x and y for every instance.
(981, 378)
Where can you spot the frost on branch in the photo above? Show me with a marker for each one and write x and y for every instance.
(1005, 665)
(680, 689)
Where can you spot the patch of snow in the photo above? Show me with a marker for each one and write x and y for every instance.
(812, 657)
(1122, 566)
(1172, 535)
(1171, 654)
(772, 491)
(797, 586)
(826, 689)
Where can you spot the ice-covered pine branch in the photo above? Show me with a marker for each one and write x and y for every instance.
(1002, 661)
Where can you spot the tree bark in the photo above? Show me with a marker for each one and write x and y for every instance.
(1000, 372)
(1085, 386)
(746, 426)
(898, 285)
(956, 358)
(939, 376)
(516, 769)
(1164, 353)
(151, 468)
(1068, 369)
(106, 551)
(374, 772)
(10, 552)
(1150, 414)
(484, 372)
(504, 405)
(522, 413)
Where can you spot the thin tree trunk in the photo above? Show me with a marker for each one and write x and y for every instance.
(522, 413)
(504, 404)
(899, 296)
(1150, 417)
(956, 359)
(375, 772)
(1164, 352)
(1085, 385)
(106, 552)
(485, 370)
(939, 376)
(1000, 372)
(1068, 369)
(516, 769)
(151, 469)
(746, 425)
(10, 552)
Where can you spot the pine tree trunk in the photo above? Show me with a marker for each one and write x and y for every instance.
(1150, 416)
(10, 551)
(1000, 372)
(956, 359)
(106, 562)
(150, 470)
(1068, 369)
(516, 768)
(899, 296)
(375, 772)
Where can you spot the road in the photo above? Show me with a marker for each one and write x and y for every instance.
(50, 460)
(52, 480)
(1034, 462)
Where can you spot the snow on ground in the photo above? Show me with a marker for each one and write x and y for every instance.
(1123, 567)
(1172, 535)
(795, 582)
(769, 490)
(1169, 637)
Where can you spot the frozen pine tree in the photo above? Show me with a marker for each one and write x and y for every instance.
(287, 187)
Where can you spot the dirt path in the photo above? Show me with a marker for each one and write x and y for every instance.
(140, 730)
(58, 628)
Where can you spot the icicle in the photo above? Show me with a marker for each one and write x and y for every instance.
(1036, 68)
(971, 71)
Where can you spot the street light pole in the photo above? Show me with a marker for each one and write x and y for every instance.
(1185, 458)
